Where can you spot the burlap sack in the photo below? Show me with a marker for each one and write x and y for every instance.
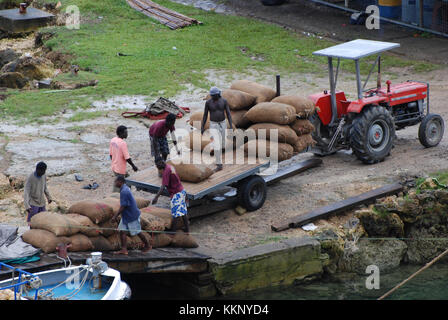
(101, 244)
(303, 142)
(97, 211)
(192, 172)
(108, 228)
(261, 147)
(236, 99)
(272, 112)
(183, 240)
(161, 240)
(284, 133)
(162, 213)
(43, 239)
(114, 203)
(84, 224)
(80, 243)
(57, 223)
(115, 241)
(197, 141)
(239, 119)
(304, 106)
(261, 92)
(196, 120)
(151, 223)
(142, 202)
(302, 126)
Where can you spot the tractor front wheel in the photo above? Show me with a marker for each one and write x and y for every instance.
(372, 134)
(431, 130)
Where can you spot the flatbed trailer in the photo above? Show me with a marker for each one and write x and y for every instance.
(251, 188)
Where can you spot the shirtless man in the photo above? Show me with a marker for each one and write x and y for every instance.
(218, 108)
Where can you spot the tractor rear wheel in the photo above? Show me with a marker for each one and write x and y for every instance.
(372, 134)
(431, 130)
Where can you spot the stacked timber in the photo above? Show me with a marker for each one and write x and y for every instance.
(88, 226)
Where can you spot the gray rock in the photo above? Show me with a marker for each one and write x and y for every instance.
(385, 254)
(7, 56)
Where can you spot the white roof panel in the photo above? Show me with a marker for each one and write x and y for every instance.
(356, 49)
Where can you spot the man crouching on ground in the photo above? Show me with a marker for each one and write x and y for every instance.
(171, 181)
(130, 217)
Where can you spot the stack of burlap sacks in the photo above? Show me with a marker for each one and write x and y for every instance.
(88, 226)
(254, 107)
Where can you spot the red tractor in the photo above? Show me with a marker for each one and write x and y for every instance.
(367, 125)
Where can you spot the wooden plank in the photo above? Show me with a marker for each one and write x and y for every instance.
(340, 206)
(292, 170)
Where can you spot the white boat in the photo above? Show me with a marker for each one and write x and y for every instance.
(92, 281)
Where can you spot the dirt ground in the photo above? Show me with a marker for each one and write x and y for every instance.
(82, 148)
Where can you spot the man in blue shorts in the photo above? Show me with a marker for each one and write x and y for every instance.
(130, 217)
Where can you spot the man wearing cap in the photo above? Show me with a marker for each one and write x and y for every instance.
(218, 108)
(119, 155)
(36, 191)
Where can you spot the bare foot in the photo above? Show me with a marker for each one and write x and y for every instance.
(124, 252)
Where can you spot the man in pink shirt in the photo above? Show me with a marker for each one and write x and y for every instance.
(118, 151)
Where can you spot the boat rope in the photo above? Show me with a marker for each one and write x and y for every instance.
(440, 256)
(48, 294)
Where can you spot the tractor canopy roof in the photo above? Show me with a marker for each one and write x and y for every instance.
(356, 49)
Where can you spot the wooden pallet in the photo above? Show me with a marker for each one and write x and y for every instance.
(165, 16)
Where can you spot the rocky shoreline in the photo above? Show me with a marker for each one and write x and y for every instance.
(410, 228)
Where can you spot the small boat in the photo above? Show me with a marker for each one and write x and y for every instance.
(92, 281)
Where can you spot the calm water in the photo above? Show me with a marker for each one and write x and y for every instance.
(432, 284)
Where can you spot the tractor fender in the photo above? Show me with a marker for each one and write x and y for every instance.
(358, 105)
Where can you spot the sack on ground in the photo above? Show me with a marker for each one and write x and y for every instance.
(57, 223)
(272, 112)
(304, 106)
(303, 142)
(302, 126)
(97, 211)
(43, 239)
(239, 119)
(237, 99)
(284, 133)
(192, 172)
(183, 240)
(262, 149)
(80, 243)
(84, 224)
(261, 92)
(101, 244)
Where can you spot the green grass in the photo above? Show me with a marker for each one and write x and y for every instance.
(81, 116)
(154, 66)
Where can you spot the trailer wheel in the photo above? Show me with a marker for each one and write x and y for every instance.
(252, 193)
(372, 134)
(431, 130)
